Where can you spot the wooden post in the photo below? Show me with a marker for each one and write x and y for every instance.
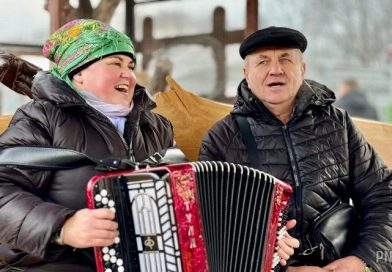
(130, 19)
(149, 44)
(158, 83)
(252, 11)
(58, 10)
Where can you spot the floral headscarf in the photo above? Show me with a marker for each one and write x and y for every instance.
(82, 41)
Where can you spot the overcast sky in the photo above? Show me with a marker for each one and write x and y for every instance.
(25, 21)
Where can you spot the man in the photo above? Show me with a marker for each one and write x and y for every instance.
(302, 139)
(354, 101)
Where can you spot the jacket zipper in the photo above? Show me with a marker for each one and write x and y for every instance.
(107, 121)
(297, 181)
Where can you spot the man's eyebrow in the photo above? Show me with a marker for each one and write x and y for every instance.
(262, 56)
(286, 54)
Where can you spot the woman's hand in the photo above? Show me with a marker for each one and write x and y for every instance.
(287, 244)
(90, 228)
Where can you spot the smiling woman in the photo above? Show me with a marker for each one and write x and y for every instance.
(111, 79)
(89, 102)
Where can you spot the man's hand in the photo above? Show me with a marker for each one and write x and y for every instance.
(16, 73)
(287, 244)
(90, 228)
(347, 264)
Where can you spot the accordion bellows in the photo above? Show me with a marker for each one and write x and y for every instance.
(199, 216)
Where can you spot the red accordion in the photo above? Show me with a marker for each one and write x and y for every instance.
(199, 216)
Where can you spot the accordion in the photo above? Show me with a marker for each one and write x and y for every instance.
(198, 216)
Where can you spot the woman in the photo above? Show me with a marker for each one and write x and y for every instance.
(88, 102)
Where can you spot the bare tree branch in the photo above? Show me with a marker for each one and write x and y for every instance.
(357, 30)
(84, 10)
(105, 10)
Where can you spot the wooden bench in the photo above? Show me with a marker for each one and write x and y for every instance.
(192, 116)
(4, 121)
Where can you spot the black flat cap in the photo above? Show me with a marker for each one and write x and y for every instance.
(273, 37)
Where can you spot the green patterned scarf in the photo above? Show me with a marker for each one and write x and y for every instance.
(80, 42)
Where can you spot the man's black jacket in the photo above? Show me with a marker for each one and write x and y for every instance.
(322, 154)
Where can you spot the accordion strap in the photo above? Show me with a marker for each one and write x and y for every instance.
(44, 157)
(249, 140)
(51, 158)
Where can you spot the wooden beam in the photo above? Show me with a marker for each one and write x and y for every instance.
(252, 12)
(130, 19)
(58, 10)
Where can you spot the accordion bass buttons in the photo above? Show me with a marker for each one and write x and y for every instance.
(110, 255)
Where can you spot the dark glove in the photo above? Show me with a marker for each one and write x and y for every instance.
(16, 73)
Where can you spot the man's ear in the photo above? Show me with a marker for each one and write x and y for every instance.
(303, 70)
(245, 72)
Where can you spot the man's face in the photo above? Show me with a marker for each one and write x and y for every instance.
(274, 75)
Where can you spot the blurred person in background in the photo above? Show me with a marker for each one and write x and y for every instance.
(354, 101)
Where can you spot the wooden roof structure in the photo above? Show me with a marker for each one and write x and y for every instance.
(58, 11)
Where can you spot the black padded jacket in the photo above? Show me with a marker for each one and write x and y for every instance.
(35, 203)
(322, 155)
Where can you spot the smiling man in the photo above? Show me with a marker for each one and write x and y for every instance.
(297, 135)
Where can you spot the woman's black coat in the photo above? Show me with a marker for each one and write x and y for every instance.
(35, 203)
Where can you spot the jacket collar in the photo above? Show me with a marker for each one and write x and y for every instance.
(310, 94)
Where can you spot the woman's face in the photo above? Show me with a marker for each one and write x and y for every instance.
(111, 79)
